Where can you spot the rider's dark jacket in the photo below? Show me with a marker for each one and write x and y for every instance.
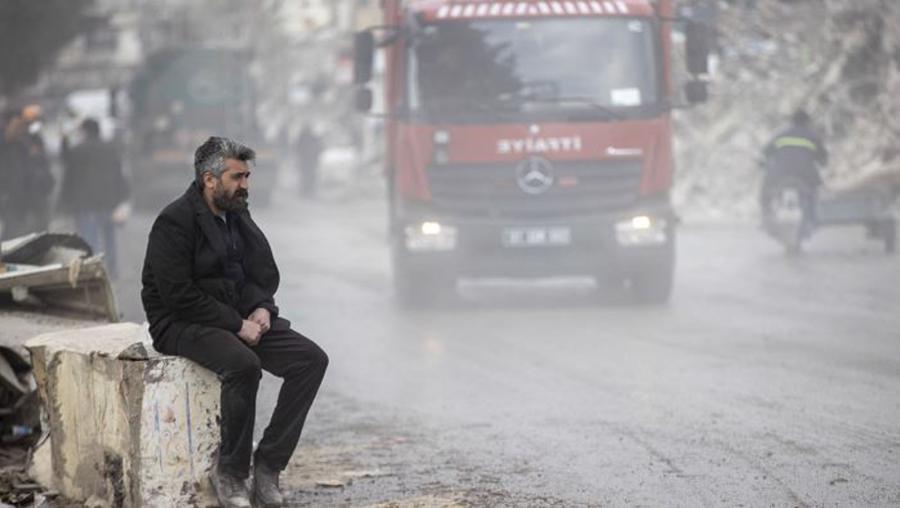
(796, 151)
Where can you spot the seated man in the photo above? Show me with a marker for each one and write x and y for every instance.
(208, 284)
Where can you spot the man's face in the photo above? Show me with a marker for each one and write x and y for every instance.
(231, 190)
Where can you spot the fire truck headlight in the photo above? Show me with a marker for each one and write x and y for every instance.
(441, 137)
(441, 140)
(431, 228)
(430, 236)
(641, 230)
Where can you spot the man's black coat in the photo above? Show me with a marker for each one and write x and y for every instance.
(184, 272)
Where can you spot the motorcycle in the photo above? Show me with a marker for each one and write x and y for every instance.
(788, 206)
(792, 211)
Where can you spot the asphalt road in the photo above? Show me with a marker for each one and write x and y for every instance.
(767, 381)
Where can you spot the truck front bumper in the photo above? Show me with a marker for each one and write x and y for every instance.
(594, 246)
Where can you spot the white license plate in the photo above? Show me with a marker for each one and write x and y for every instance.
(537, 236)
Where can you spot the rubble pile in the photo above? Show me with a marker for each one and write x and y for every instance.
(839, 59)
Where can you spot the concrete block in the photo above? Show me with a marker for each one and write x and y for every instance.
(127, 425)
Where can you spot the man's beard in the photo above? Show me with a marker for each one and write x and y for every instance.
(233, 202)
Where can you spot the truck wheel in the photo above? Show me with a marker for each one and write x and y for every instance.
(418, 289)
(652, 284)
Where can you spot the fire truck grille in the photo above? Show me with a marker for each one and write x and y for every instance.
(493, 190)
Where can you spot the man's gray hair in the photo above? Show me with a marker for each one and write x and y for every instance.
(212, 154)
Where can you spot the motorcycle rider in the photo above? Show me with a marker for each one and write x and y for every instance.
(795, 153)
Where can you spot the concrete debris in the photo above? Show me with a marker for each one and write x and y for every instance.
(158, 414)
(136, 352)
(48, 282)
(20, 422)
(13, 371)
(17, 490)
(20, 410)
(27, 487)
(40, 467)
(55, 272)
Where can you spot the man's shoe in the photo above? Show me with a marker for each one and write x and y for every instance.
(230, 490)
(266, 493)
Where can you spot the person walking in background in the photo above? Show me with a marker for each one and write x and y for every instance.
(25, 170)
(94, 191)
(37, 163)
(309, 150)
(11, 191)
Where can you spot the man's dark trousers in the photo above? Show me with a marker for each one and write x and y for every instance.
(282, 352)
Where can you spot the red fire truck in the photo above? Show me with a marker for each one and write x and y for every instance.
(529, 138)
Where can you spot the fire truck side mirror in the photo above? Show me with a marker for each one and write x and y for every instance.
(363, 56)
(695, 91)
(363, 99)
(696, 47)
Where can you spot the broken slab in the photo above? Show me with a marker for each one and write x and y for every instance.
(17, 326)
(127, 425)
(55, 272)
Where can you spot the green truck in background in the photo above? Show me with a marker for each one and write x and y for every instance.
(179, 98)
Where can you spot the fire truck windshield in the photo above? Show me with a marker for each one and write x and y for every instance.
(604, 68)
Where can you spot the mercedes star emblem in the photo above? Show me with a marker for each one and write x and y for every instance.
(534, 175)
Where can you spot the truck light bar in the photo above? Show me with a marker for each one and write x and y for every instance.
(495, 9)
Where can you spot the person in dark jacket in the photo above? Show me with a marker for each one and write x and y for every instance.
(12, 174)
(25, 170)
(93, 188)
(209, 282)
(40, 179)
(796, 152)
